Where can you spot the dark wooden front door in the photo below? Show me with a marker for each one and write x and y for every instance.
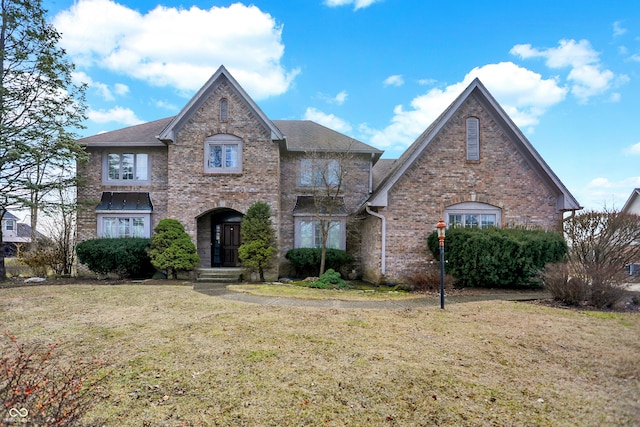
(225, 243)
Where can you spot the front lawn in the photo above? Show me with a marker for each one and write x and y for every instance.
(176, 357)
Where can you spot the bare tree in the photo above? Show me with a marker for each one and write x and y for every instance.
(326, 174)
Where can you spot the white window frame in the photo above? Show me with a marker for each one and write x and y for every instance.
(131, 217)
(9, 224)
(316, 238)
(473, 138)
(311, 172)
(482, 211)
(224, 142)
(135, 180)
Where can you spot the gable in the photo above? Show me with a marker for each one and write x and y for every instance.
(221, 76)
(489, 108)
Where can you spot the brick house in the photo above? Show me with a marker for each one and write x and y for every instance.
(207, 165)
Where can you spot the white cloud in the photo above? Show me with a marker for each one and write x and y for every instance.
(357, 4)
(586, 74)
(340, 98)
(117, 114)
(633, 150)
(102, 33)
(523, 94)
(328, 120)
(394, 80)
(107, 93)
(601, 192)
(618, 29)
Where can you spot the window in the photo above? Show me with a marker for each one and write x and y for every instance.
(126, 168)
(473, 138)
(224, 110)
(309, 234)
(223, 154)
(122, 225)
(319, 172)
(473, 215)
(9, 225)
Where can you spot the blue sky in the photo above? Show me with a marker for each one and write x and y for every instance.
(568, 73)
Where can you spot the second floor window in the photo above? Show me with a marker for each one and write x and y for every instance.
(223, 154)
(127, 167)
(9, 225)
(319, 173)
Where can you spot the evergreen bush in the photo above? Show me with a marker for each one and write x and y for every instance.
(495, 257)
(171, 248)
(125, 257)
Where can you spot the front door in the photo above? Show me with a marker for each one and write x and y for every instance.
(226, 240)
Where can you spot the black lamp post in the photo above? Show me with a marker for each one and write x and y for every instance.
(441, 227)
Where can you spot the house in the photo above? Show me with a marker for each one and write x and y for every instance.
(16, 236)
(221, 153)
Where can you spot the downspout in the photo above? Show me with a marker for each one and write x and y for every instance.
(383, 255)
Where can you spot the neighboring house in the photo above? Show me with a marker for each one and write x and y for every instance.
(207, 165)
(16, 236)
(632, 205)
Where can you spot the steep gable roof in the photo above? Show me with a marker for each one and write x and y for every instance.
(305, 135)
(168, 134)
(632, 205)
(565, 200)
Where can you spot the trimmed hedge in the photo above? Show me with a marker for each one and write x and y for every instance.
(498, 258)
(306, 261)
(125, 257)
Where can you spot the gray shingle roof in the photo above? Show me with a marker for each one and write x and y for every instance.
(305, 135)
(142, 135)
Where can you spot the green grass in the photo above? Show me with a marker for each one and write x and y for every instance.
(177, 357)
(304, 292)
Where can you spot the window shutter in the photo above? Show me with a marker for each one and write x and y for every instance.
(473, 138)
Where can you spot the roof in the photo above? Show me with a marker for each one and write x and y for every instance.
(125, 201)
(168, 134)
(630, 204)
(381, 170)
(145, 135)
(305, 135)
(8, 215)
(565, 200)
(306, 205)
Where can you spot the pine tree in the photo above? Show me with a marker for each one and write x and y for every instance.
(258, 239)
(172, 249)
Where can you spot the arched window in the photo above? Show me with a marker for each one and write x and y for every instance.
(473, 215)
(224, 110)
(473, 138)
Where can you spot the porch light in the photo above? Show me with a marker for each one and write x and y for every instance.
(441, 226)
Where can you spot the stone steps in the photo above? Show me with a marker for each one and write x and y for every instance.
(209, 276)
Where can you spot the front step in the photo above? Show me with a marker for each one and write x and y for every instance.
(218, 275)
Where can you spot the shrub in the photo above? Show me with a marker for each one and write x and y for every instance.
(171, 248)
(426, 280)
(258, 236)
(306, 261)
(572, 284)
(40, 389)
(498, 257)
(125, 257)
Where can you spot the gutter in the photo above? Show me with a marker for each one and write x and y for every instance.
(383, 255)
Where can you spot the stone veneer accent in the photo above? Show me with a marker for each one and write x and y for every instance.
(441, 177)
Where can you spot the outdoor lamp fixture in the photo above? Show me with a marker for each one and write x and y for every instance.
(441, 226)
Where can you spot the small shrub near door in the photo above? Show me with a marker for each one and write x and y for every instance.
(126, 257)
(171, 248)
(306, 261)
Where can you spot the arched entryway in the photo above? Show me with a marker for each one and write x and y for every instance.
(219, 238)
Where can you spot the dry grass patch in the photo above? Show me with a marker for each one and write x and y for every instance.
(303, 292)
(177, 357)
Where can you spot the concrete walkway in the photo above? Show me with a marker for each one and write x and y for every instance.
(221, 291)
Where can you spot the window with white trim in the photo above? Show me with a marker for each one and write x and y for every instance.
(309, 234)
(124, 225)
(223, 154)
(319, 172)
(9, 225)
(473, 215)
(129, 168)
(473, 138)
